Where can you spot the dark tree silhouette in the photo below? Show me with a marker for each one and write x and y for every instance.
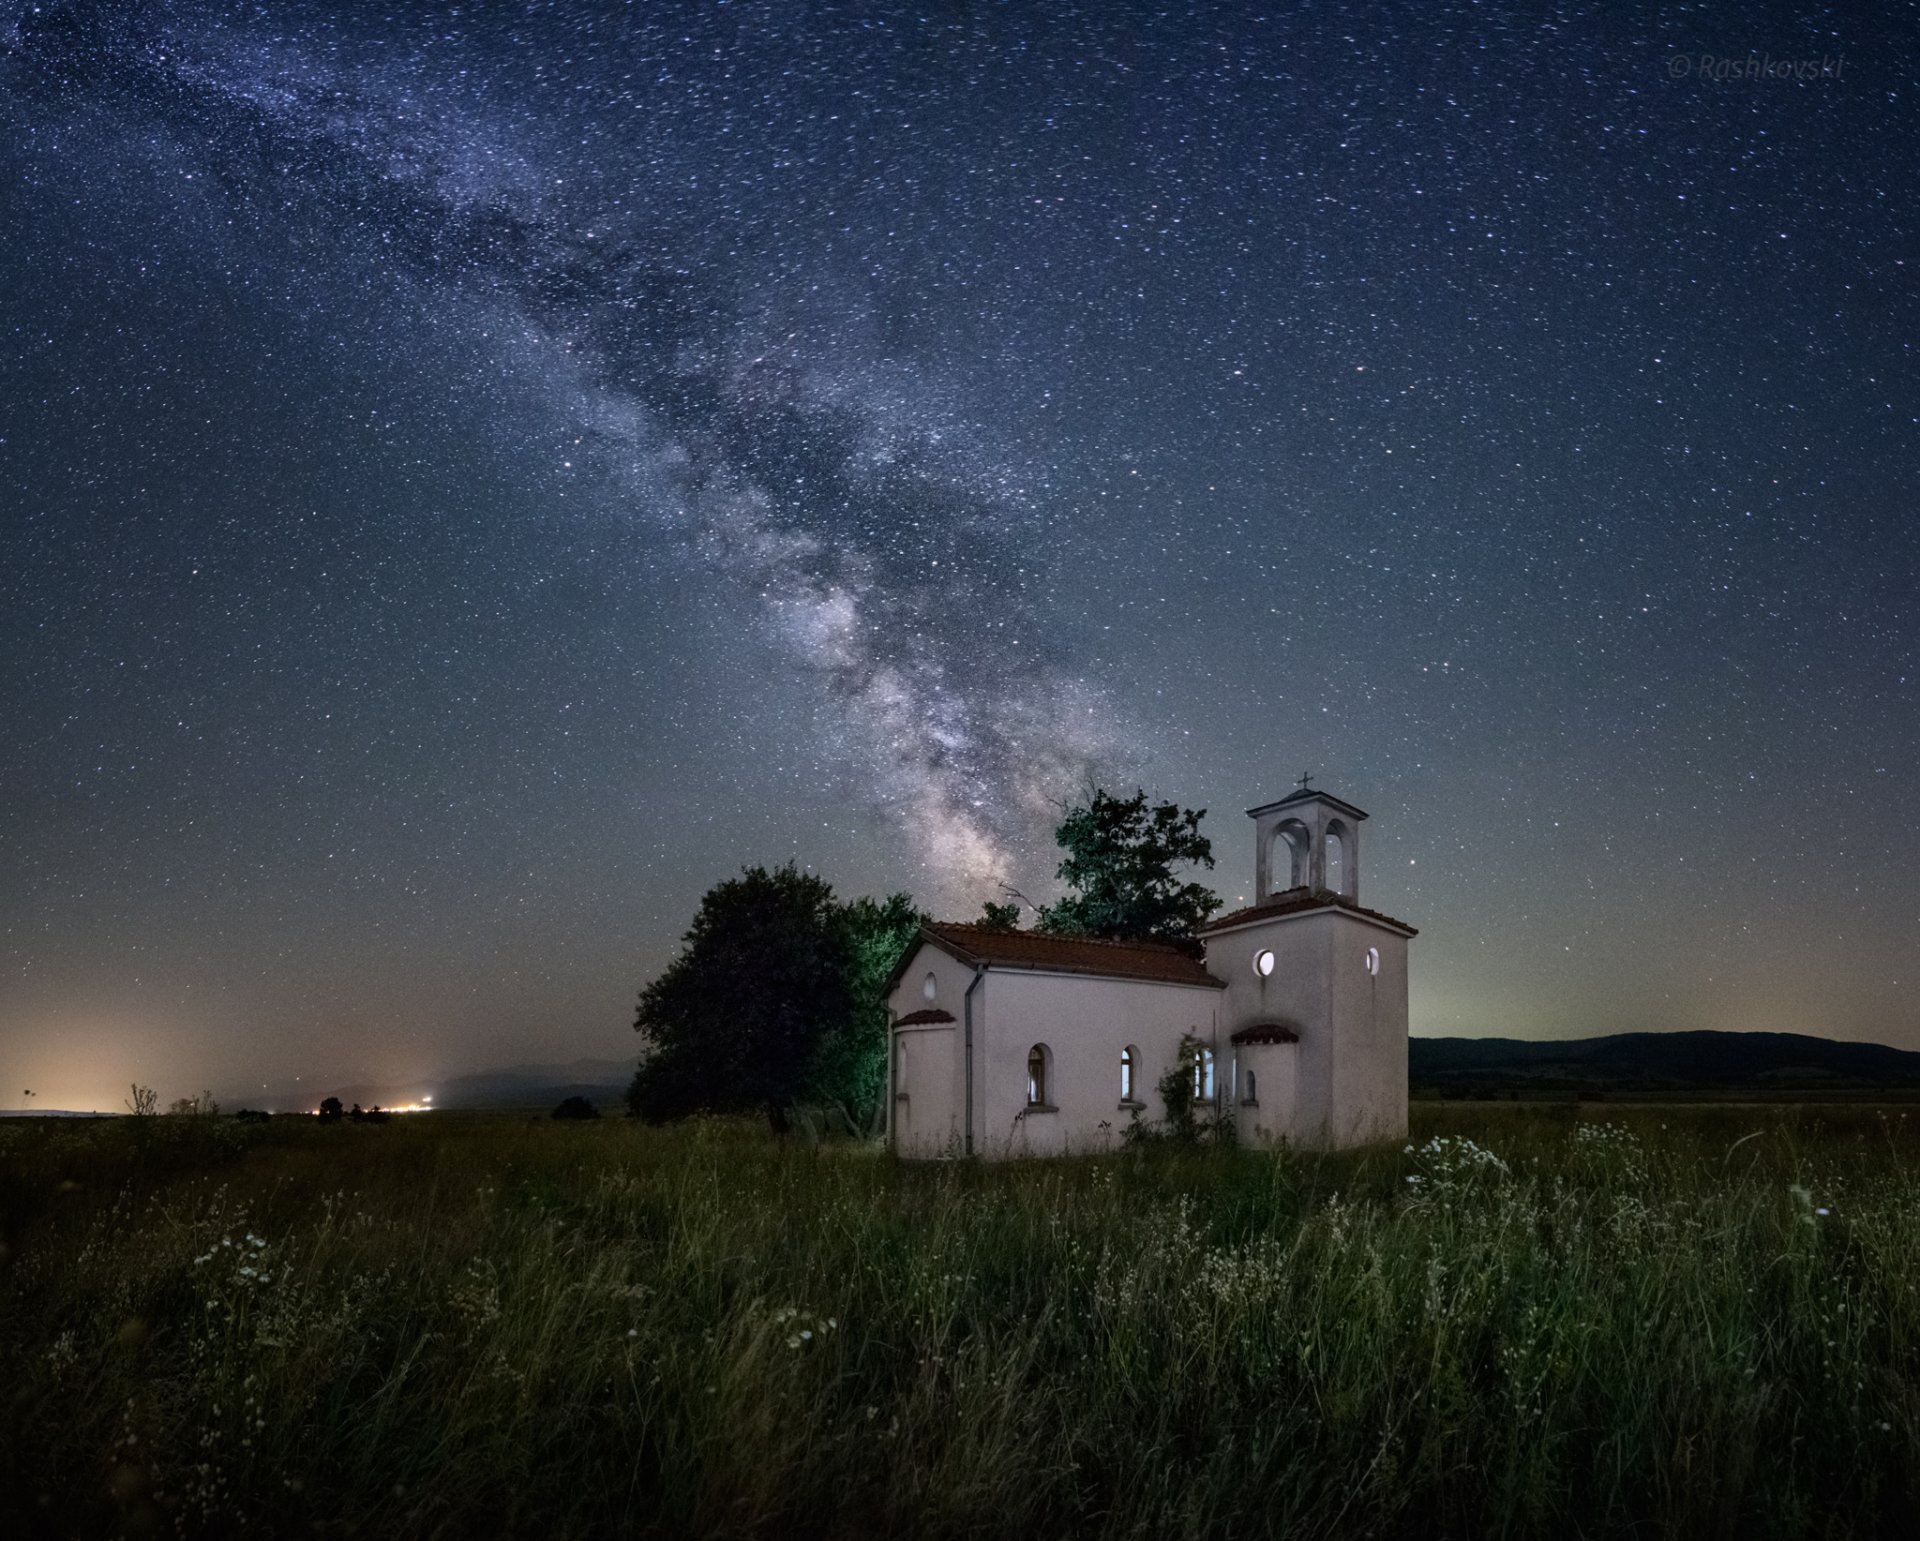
(1000, 917)
(1119, 870)
(330, 1110)
(576, 1107)
(772, 1002)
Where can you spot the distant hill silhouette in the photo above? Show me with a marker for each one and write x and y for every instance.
(1658, 1062)
(1620, 1064)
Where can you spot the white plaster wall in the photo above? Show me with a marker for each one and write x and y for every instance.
(1085, 1022)
(1344, 1083)
(1351, 1061)
(1295, 992)
(925, 1114)
(1269, 1120)
(1369, 1096)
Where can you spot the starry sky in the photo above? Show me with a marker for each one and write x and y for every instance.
(472, 476)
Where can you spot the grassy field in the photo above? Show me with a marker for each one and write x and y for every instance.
(1581, 1320)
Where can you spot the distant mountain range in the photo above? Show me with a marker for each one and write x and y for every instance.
(1658, 1062)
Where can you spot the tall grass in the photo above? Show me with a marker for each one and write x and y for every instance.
(1700, 1322)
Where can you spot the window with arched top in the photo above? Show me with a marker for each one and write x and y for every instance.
(1253, 1089)
(1129, 1074)
(930, 987)
(1038, 1064)
(1203, 1075)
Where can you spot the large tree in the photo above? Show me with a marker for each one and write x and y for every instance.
(1119, 871)
(772, 1002)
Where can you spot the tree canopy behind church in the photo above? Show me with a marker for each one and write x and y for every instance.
(1119, 870)
(773, 1002)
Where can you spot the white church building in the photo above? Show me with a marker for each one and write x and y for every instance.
(1009, 1043)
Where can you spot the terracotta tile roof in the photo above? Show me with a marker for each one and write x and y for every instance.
(1266, 1032)
(925, 1015)
(1297, 901)
(1071, 954)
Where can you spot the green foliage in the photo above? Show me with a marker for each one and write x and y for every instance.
(773, 1001)
(1120, 871)
(849, 1067)
(1186, 1120)
(1000, 917)
(1176, 1091)
(1680, 1322)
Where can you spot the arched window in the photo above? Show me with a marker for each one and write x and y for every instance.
(1343, 860)
(1253, 1094)
(1291, 843)
(1129, 1073)
(1203, 1075)
(1037, 1067)
(930, 987)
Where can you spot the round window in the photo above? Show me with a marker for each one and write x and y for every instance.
(931, 988)
(1263, 962)
(1373, 960)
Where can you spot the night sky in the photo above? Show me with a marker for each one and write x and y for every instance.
(473, 477)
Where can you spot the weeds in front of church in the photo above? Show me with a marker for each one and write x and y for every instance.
(1680, 1321)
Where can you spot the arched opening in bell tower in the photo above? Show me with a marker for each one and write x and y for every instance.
(1292, 846)
(1342, 860)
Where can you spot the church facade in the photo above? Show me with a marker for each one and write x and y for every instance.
(1008, 1043)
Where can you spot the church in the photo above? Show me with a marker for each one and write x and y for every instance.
(1011, 1043)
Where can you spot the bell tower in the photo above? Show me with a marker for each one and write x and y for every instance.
(1315, 1009)
(1307, 842)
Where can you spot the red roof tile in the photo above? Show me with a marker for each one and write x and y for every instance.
(1297, 902)
(1070, 954)
(924, 1016)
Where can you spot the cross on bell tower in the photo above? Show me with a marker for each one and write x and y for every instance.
(1309, 841)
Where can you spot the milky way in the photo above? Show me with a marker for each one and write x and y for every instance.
(476, 475)
(885, 551)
